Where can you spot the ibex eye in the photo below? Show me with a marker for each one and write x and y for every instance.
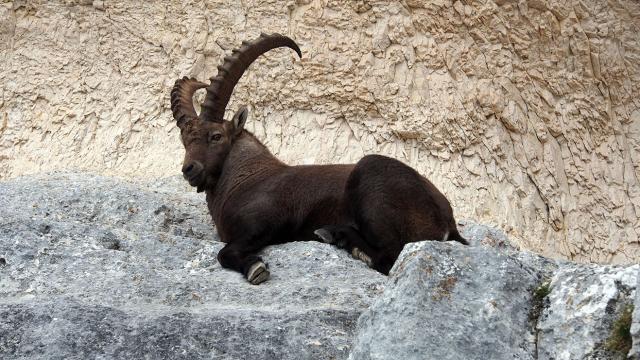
(215, 137)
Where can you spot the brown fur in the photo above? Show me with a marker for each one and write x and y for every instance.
(371, 208)
(375, 206)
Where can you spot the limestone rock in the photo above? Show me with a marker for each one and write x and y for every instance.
(584, 303)
(524, 113)
(448, 301)
(635, 326)
(94, 267)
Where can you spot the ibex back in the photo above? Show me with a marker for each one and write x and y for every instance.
(371, 208)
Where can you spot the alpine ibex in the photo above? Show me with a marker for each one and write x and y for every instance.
(371, 208)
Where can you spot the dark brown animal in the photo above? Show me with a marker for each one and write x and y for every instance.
(256, 200)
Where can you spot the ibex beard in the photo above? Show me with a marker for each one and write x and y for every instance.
(371, 208)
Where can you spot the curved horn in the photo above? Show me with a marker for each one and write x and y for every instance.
(182, 99)
(219, 92)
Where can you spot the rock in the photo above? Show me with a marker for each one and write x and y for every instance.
(524, 113)
(448, 301)
(95, 267)
(491, 238)
(584, 303)
(98, 4)
(635, 327)
(483, 235)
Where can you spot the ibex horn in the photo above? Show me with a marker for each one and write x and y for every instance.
(219, 92)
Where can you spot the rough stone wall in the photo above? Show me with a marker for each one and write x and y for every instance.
(526, 114)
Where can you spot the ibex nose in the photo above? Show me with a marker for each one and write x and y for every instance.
(191, 169)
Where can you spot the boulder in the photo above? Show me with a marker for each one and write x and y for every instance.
(635, 326)
(448, 301)
(585, 305)
(94, 267)
(491, 301)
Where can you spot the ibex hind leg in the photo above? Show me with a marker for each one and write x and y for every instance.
(341, 236)
(236, 257)
(378, 235)
(347, 237)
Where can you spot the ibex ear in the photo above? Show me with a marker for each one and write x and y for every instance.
(239, 119)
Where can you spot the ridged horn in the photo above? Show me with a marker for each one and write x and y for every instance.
(229, 73)
(182, 99)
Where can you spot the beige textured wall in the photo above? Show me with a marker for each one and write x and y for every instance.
(525, 113)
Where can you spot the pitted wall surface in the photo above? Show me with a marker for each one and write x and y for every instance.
(526, 114)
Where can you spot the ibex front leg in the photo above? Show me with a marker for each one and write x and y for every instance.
(241, 258)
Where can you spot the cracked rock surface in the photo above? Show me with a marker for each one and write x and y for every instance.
(526, 114)
(584, 303)
(635, 326)
(98, 267)
(447, 301)
(451, 302)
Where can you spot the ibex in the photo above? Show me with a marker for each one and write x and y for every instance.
(371, 208)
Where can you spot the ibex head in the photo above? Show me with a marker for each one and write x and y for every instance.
(208, 138)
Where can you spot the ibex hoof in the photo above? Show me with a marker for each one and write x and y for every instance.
(360, 255)
(258, 273)
(325, 236)
(332, 237)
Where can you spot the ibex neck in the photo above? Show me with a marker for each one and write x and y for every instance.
(247, 159)
(247, 156)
